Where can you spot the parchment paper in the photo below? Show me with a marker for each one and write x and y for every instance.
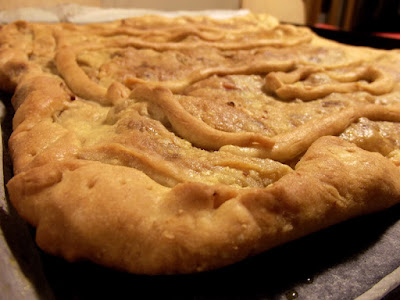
(359, 258)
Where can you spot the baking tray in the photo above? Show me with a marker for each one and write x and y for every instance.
(358, 258)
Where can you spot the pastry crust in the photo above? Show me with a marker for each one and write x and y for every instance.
(176, 145)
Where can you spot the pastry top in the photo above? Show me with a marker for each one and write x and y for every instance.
(176, 145)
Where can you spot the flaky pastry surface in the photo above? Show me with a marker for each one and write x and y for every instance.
(158, 146)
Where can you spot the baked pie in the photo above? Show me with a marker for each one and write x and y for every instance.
(160, 145)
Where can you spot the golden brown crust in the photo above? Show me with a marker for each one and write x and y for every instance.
(158, 146)
(193, 226)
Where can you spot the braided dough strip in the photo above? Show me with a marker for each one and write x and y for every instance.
(76, 78)
(290, 145)
(178, 86)
(206, 33)
(297, 36)
(286, 86)
(191, 128)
